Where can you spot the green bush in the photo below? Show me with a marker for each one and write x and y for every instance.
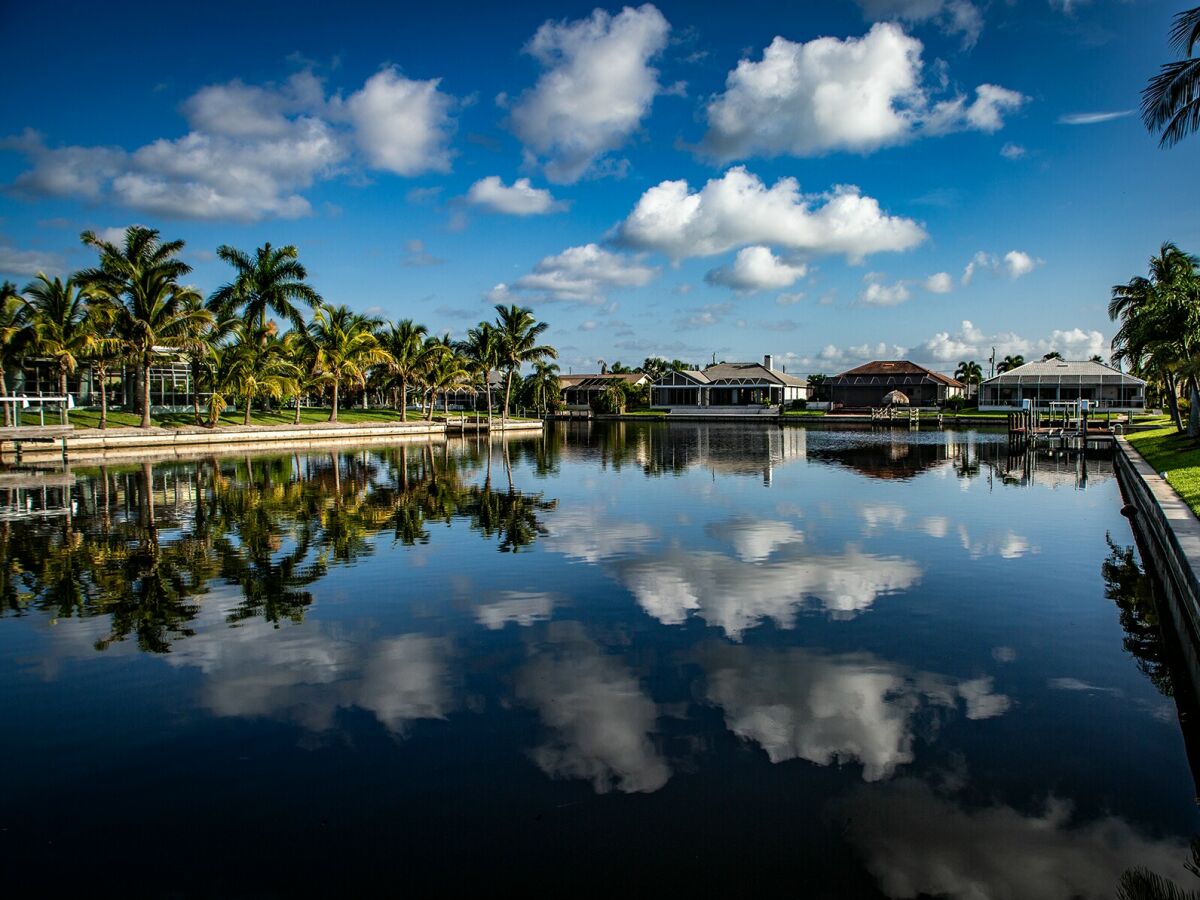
(797, 405)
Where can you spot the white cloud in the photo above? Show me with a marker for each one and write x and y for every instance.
(919, 843)
(844, 357)
(1093, 118)
(939, 283)
(597, 88)
(755, 269)
(1012, 151)
(1018, 263)
(239, 110)
(252, 150)
(402, 126)
(737, 210)
(790, 299)
(849, 708)
(600, 720)
(522, 199)
(951, 16)
(1014, 264)
(29, 262)
(754, 540)
(580, 275)
(590, 535)
(970, 341)
(857, 94)
(878, 294)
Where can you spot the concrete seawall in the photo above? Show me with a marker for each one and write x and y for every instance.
(166, 442)
(1169, 538)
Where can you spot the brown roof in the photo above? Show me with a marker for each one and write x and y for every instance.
(886, 367)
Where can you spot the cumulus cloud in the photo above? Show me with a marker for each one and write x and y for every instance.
(844, 357)
(590, 535)
(521, 199)
(827, 709)
(857, 94)
(738, 210)
(970, 341)
(951, 16)
(917, 842)
(597, 88)
(579, 275)
(1093, 118)
(252, 151)
(939, 283)
(756, 269)
(600, 720)
(1014, 264)
(1012, 151)
(876, 293)
(24, 263)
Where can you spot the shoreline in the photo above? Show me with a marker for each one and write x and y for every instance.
(137, 442)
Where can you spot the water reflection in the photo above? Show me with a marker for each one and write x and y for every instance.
(817, 649)
(146, 543)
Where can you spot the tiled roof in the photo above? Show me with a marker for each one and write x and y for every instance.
(886, 368)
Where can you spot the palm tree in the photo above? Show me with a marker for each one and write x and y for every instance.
(274, 280)
(1053, 354)
(969, 373)
(104, 350)
(151, 309)
(1160, 320)
(482, 348)
(1009, 363)
(405, 343)
(301, 350)
(450, 372)
(519, 333)
(1171, 101)
(256, 365)
(14, 336)
(62, 329)
(346, 348)
(543, 386)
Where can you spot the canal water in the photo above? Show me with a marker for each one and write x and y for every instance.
(660, 657)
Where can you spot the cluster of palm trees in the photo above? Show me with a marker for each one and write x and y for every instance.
(131, 309)
(1159, 333)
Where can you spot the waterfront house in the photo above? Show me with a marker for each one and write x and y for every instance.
(729, 386)
(580, 392)
(869, 384)
(1049, 380)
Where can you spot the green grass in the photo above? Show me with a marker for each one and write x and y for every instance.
(1169, 451)
(804, 412)
(90, 418)
(646, 413)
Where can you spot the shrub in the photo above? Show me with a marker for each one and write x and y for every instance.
(797, 405)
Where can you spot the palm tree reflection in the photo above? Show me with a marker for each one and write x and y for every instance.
(148, 543)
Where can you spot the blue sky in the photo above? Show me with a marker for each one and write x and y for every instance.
(827, 182)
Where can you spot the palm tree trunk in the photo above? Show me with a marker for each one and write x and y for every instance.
(296, 421)
(404, 398)
(102, 371)
(1173, 399)
(246, 414)
(333, 409)
(487, 381)
(8, 411)
(196, 392)
(507, 398)
(145, 395)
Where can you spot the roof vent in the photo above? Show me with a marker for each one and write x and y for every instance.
(769, 363)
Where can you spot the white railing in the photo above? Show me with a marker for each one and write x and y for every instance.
(20, 403)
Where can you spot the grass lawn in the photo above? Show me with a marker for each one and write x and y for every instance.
(1169, 451)
(804, 412)
(90, 418)
(646, 413)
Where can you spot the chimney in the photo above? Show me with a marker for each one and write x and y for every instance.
(769, 363)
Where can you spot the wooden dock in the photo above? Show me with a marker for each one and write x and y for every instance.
(35, 434)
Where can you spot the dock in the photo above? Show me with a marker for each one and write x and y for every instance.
(1065, 425)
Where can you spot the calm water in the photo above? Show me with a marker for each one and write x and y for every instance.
(831, 663)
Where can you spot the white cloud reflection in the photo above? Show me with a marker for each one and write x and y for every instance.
(736, 595)
(918, 843)
(827, 709)
(599, 719)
